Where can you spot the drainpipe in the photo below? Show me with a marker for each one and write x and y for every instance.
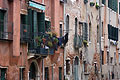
(64, 47)
(100, 31)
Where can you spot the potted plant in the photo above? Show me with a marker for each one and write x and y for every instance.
(97, 6)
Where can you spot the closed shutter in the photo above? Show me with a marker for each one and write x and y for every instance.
(41, 22)
(30, 21)
(2, 13)
(3, 72)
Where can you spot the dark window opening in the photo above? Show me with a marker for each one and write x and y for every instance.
(107, 57)
(2, 73)
(67, 24)
(75, 26)
(85, 66)
(68, 67)
(60, 73)
(90, 31)
(46, 73)
(104, 2)
(97, 33)
(113, 4)
(2, 23)
(22, 74)
(102, 57)
(111, 60)
(60, 30)
(112, 32)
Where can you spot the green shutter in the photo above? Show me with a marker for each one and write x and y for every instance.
(3, 71)
(41, 22)
(2, 14)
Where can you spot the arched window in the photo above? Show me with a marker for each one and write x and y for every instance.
(67, 24)
(75, 26)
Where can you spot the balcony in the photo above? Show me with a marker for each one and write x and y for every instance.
(43, 43)
(6, 31)
(24, 33)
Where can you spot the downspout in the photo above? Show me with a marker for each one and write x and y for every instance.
(64, 53)
(100, 31)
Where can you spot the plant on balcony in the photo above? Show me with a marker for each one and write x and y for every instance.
(97, 6)
(48, 39)
(92, 4)
(85, 42)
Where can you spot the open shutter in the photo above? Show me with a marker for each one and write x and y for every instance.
(41, 22)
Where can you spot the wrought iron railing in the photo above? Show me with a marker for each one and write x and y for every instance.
(6, 31)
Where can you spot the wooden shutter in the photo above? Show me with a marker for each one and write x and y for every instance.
(41, 22)
(3, 72)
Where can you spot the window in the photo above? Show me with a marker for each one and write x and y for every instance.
(113, 4)
(85, 31)
(68, 67)
(67, 24)
(2, 22)
(112, 32)
(119, 7)
(119, 58)
(46, 73)
(102, 57)
(24, 27)
(97, 33)
(2, 73)
(60, 30)
(60, 73)
(102, 29)
(107, 57)
(114, 57)
(75, 26)
(89, 31)
(21, 73)
(111, 60)
(80, 28)
(103, 2)
(85, 66)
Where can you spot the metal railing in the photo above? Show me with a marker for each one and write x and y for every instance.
(6, 31)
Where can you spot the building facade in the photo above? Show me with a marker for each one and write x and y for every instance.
(83, 21)
(29, 31)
